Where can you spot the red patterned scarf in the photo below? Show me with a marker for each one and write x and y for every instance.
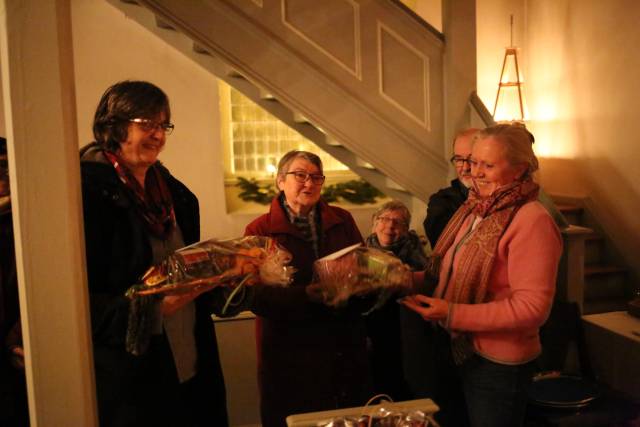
(153, 202)
(476, 256)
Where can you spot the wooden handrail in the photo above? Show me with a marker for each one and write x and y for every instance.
(417, 18)
(481, 109)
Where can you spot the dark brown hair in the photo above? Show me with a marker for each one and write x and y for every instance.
(123, 101)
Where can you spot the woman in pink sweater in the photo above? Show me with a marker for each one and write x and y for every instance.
(496, 262)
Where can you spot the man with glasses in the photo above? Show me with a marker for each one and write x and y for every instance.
(443, 204)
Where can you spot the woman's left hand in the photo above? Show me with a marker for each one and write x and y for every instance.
(173, 303)
(17, 357)
(427, 307)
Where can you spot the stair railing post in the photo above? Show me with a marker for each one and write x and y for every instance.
(459, 27)
(571, 273)
(38, 90)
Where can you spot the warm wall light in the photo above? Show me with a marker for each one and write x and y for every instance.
(510, 103)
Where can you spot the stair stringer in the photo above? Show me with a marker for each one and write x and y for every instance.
(334, 111)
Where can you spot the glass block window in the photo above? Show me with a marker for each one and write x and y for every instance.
(258, 140)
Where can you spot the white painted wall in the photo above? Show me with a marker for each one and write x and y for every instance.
(431, 11)
(493, 33)
(584, 66)
(581, 68)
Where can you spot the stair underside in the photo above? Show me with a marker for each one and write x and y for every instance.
(375, 114)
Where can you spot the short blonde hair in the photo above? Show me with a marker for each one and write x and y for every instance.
(518, 144)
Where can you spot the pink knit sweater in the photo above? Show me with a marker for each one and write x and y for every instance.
(520, 290)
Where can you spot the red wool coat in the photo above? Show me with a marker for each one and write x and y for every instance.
(310, 357)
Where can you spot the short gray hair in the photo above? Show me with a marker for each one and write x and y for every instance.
(287, 159)
(464, 133)
(393, 205)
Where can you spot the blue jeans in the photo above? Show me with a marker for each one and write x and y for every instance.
(496, 394)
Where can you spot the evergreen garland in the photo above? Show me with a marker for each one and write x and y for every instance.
(254, 192)
(356, 191)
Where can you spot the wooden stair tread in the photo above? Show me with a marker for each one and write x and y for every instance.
(593, 269)
(594, 235)
(577, 230)
(603, 305)
(568, 208)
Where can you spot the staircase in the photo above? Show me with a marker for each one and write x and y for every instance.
(589, 273)
(362, 80)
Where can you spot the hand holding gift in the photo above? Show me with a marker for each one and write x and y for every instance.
(359, 270)
(212, 263)
(198, 268)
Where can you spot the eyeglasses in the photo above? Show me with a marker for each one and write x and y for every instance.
(149, 125)
(459, 160)
(393, 221)
(302, 177)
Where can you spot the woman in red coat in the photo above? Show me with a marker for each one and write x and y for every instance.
(310, 357)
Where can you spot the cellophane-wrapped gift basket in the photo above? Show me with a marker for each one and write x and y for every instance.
(409, 413)
(357, 271)
(204, 265)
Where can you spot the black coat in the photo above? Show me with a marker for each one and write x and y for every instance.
(13, 392)
(139, 390)
(390, 342)
(9, 305)
(442, 205)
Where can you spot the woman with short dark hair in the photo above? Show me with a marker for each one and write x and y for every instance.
(135, 214)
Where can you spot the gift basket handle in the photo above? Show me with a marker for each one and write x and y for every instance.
(429, 421)
(380, 397)
(233, 293)
(377, 396)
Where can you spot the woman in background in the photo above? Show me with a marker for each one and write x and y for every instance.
(391, 232)
(135, 214)
(310, 357)
(496, 261)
